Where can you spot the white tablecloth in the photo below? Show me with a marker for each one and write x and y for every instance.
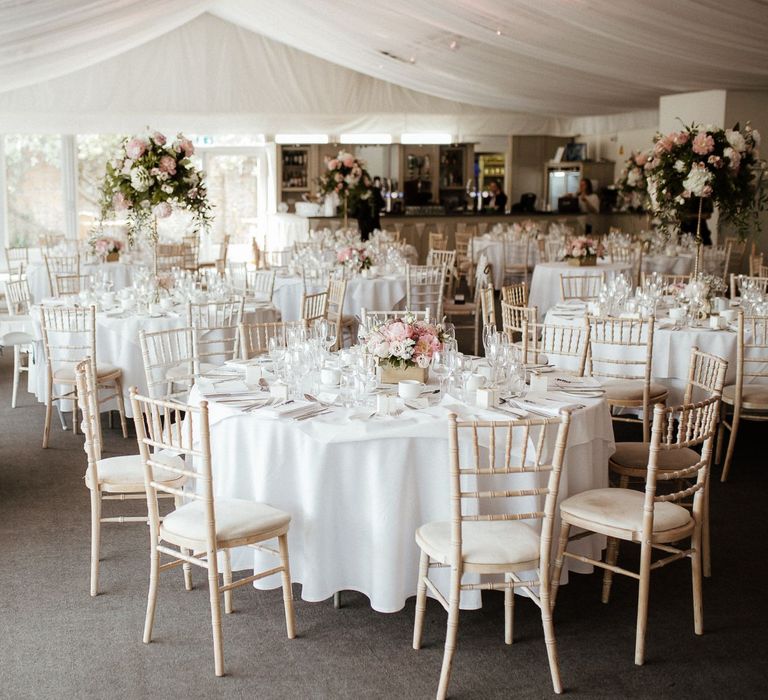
(668, 264)
(283, 230)
(119, 273)
(358, 490)
(381, 293)
(545, 283)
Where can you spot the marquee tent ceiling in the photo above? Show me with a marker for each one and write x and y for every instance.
(501, 60)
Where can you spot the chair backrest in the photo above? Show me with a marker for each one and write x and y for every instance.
(183, 431)
(621, 348)
(515, 294)
(191, 245)
(69, 285)
(169, 256)
(87, 400)
(706, 376)
(254, 337)
(17, 297)
(16, 260)
(69, 335)
(61, 265)
(751, 351)
(221, 260)
(171, 349)
(278, 258)
(553, 250)
(677, 428)
(762, 271)
(425, 286)
(437, 241)
(585, 287)
(736, 282)
(566, 345)
(517, 250)
(337, 290)
(261, 284)
(621, 253)
(50, 240)
(437, 257)
(377, 317)
(513, 317)
(463, 241)
(313, 307)
(501, 463)
(487, 305)
(217, 327)
(237, 276)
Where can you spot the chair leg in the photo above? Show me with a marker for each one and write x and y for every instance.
(721, 433)
(611, 555)
(154, 575)
(706, 551)
(227, 580)
(17, 373)
(290, 619)
(75, 409)
(121, 406)
(731, 445)
(698, 602)
(48, 412)
(509, 613)
(642, 603)
(562, 543)
(451, 634)
(215, 600)
(549, 639)
(95, 538)
(421, 600)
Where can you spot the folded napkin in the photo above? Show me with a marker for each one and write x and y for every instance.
(293, 409)
(543, 403)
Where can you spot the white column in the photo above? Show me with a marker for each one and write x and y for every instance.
(69, 184)
(4, 236)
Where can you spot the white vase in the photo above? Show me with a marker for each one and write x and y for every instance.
(330, 203)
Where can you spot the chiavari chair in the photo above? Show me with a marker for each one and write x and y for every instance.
(18, 301)
(60, 265)
(69, 285)
(425, 287)
(515, 294)
(517, 252)
(216, 324)
(16, 261)
(337, 291)
(254, 337)
(314, 307)
(546, 342)
(512, 319)
(170, 362)
(472, 310)
(585, 287)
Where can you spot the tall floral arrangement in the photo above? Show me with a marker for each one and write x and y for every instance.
(632, 183)
(699, 163)
(347, 177)
(148, 178)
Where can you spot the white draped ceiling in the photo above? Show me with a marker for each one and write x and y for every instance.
(477, 66)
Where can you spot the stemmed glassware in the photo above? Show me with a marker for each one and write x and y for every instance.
(440, 367)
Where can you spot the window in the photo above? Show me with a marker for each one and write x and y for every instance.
(233, 190)
(93, 152)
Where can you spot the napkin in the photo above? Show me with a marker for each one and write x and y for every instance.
(543, 403)
(287, 410)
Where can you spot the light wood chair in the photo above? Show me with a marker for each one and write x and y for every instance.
(762, 271)
(515, 294)
(425, 287)
(621, 356)
(261, 284)
(18, 301)
(447, 258)
(654, 521)
(748, 397)
(630, 254)
(170, 362)
(464, 262)
(314, 307)
(236, 275)
(437, 241)
(191, 246)
(369, 317)
(16, 261)
(337, 291)
(706, 378)
(488, 306)
(254, 337)
(585, 287)
(472, 310)
(258, 256)
(206, 525)
(217, 325)
(735, 281)
(517, 258)
(50, 240)
(69, 285)
(500, 543)
(512, 319)
(553, 251)
(113, 478)
(545, 342)
(170, 256)
(69, 336)
(60, 265)
(220, 263)
(278, 259)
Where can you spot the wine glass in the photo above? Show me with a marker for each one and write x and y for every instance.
(439, 367)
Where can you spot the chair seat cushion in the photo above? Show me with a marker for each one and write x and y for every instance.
(68, 373)
(752, 395)
(125, 474)
(631, 390)
(623, 509)
(635, 455)
(181, 370)
(236, 519)
(16, 338)
(491, 543)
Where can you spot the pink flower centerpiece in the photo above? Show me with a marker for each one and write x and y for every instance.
(583, 251)
(107, 248)
(404, 347)
(355, 258)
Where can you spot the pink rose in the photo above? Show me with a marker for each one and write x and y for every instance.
(120, 202)
(162, 210)
(136, 148)
(703, 143)
(663, 145)
(680, 138)
(185, 146)
(349, 161)
(397, 331)
(333, 164)
(159, 138)
(715, 161)
(706, 191)
(168, 165)
(641, 159)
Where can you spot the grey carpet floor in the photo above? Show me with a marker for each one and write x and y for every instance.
(56, 641)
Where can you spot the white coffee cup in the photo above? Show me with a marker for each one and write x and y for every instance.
(729, 315)
(716, 322)
(330, 376)
(166, 303)
(677, 313)
(475, 382)
(721, 303)
(409, 389)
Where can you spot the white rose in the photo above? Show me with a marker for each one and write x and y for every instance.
(423, 361)
(633, 177)
(733, 157)
(736, 139)
(679, 166)
(396, 348)
(140, 179)
(697, 180)
(383, 349)
(145, 204)
(168, 189)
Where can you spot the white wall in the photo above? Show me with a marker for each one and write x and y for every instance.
(617, 146)
(703, 108)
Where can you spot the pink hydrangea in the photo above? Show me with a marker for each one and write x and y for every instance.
(397, 331)
(136, 148)
(703, 143)
(168, 165)
(159, 138)
(186, 147)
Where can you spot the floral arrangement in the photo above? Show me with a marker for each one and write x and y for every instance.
(104, 246)
(347, 177)
(722, 165)
(632, 183)
(526, 228)
(583, 247)
(354, 257)
(405, 342)
(704, 287)
(148, 178)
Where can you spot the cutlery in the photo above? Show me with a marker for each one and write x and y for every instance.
(305, 416)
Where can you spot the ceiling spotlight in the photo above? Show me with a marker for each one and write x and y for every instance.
(498, 32)
(453, 45)
(412, 59)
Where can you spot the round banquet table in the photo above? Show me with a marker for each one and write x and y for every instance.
(119, 273)
(672, 352)
(379, 293)
(545, 283)
(117, 344)
(357, 490)
(681, 264)
(493, 247)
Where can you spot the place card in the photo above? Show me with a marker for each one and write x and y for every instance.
(279, 391)
(486, 398)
